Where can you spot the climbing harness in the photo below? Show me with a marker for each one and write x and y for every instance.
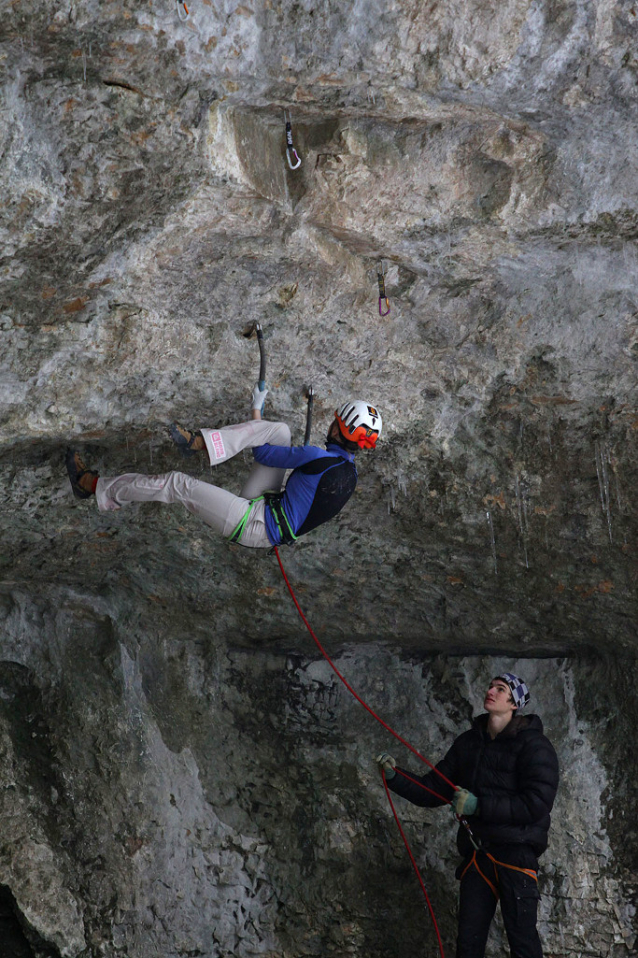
(382, 292)
(273, 499)
(182, 10)
(288, 538)
(290, 150)
(473, 861)
(238, 531)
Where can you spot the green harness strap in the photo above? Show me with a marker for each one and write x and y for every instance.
(238, 532)
(278, 514)
(288, 537)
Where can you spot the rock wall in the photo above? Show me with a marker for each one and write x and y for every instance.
(482, 155)
(180, 775)
(168, 794)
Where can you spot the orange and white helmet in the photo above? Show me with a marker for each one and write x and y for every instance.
(358, 422)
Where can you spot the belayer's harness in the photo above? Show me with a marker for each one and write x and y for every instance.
(473, 861)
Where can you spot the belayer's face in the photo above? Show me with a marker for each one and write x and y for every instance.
(498, 698)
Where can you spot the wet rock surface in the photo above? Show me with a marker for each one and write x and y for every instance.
(180, 775)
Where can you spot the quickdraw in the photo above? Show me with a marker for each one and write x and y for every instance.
(182, 10)
(290, 150)
(382, 292)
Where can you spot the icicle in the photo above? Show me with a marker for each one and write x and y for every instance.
(492, 541)
(521, 507)
(603, 459)
(607, 499)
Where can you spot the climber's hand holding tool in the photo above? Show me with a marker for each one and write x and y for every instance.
(259, 397)
(464, 802)
(387, 764)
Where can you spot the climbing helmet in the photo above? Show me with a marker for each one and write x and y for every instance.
(358, 422)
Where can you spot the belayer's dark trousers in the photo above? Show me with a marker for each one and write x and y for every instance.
(481, 881)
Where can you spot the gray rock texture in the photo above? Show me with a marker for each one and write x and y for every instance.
(182, 775)
(169, 794)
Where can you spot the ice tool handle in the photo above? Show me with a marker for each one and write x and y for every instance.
(262, 359)
(311, 399)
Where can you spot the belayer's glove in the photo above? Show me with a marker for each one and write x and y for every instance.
(259, 397)
(387, 764)
(464, 802)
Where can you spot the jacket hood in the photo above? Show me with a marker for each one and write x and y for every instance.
(519, 723)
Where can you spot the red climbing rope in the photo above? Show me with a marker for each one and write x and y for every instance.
(415, 781)
(392, 732)
(349, 687)
(415, 866)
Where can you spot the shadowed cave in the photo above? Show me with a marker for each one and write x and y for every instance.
(181, 772)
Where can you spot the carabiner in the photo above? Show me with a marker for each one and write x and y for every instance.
(466, 825)
(290, 150)
(182, 9)
(382, 293)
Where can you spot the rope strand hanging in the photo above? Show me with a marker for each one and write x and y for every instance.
(392, 732)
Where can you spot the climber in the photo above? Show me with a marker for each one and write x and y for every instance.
(506, 772)
(318, 488)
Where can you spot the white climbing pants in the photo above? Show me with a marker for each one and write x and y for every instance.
(215, 506)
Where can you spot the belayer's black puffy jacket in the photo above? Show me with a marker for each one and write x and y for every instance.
(514, 776)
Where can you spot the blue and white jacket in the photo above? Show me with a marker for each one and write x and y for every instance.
(321, 483)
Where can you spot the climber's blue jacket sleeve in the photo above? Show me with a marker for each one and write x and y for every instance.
(290, 457)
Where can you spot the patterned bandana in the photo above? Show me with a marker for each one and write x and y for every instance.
(520, 692)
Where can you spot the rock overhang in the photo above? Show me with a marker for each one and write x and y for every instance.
(501, 501)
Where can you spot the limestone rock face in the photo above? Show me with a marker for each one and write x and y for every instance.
(181, 772)
(166, 793)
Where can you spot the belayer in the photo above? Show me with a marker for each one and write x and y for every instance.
(265, 513)
(506, 773)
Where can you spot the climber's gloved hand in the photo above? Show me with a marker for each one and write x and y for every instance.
(464, 802)
(387, 764)
(259, 397)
